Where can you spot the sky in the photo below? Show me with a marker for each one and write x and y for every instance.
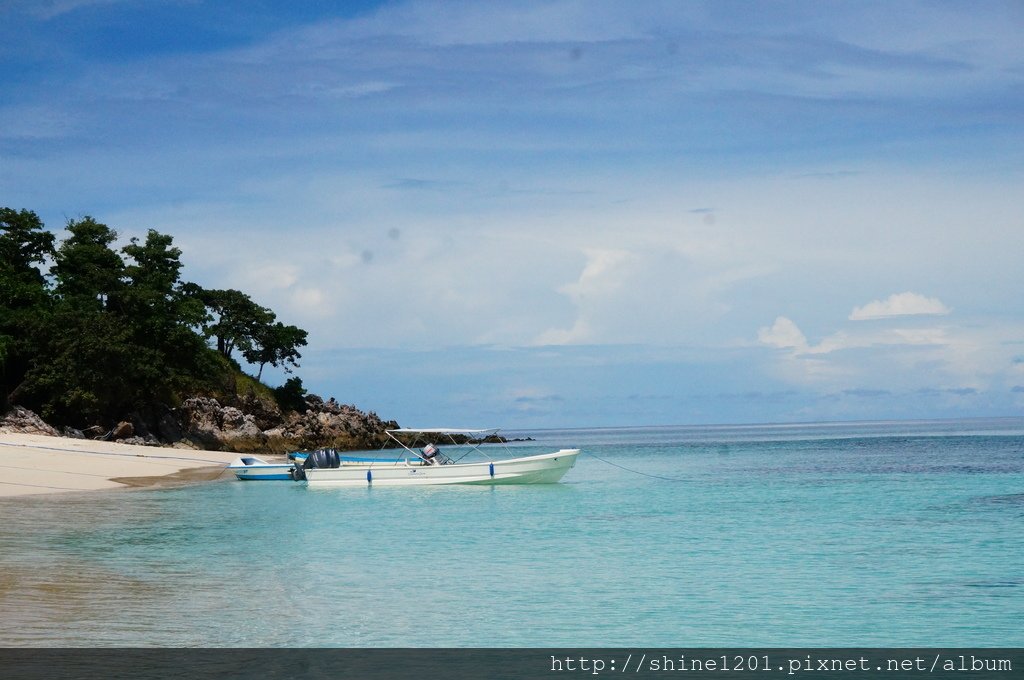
(564, 213)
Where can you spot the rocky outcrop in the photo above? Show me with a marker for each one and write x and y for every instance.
(22, 421)
(250, 425)
(330, 424)
(256, 425)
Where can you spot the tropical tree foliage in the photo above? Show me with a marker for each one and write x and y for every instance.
(275, 344)
(24, 297)
(109, 332)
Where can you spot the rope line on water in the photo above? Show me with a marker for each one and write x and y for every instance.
(636, 472)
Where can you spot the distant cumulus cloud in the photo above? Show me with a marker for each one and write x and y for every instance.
(899, 304)
(604, 273)
(783, 334)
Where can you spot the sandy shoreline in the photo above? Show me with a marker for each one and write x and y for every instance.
(36, 464)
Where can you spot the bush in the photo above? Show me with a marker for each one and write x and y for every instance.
(291, 396)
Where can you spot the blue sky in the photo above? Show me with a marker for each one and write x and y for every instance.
(562, 213)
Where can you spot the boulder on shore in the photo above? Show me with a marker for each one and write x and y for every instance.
(123, 430)
(22, 421)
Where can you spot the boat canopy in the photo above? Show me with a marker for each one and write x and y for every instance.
(431, 454)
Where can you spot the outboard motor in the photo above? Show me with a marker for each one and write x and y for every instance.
(432, 455)
(321, 458)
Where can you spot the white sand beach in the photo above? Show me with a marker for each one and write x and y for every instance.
(37, 464)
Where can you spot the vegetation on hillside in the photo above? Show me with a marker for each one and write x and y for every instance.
(90, 333)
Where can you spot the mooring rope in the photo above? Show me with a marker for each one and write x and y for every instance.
(636, 472)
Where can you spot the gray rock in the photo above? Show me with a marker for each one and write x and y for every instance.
(231, 418)
(19, 419)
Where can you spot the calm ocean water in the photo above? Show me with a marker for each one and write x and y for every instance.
(907, 534)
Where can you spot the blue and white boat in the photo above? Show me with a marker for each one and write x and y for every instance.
(421, 466)
(251, 468)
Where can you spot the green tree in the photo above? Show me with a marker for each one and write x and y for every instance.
(24, 296)
(84, 354)
(235, 319)
(120, 338)
(161, 316)
(24, 244)
(86, 271)
(156, 265)
(275, 344)
(85, 370)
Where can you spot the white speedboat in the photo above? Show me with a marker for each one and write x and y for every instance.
(250, 468)
(428, 465)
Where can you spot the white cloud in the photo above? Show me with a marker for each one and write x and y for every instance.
(899, 304)
(783, 334)
(311, 300)
(959, 361)
(267, 277)
(602, 276)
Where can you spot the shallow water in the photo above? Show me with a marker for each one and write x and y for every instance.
(869, 534)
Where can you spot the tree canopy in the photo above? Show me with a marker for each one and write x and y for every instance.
(24, 296)
(107, 332)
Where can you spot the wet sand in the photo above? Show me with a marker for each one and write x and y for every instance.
(37, 464)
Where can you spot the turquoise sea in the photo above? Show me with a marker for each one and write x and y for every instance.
(848, 534)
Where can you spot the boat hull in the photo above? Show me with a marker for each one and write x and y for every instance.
(546, 468)
(253, 469)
